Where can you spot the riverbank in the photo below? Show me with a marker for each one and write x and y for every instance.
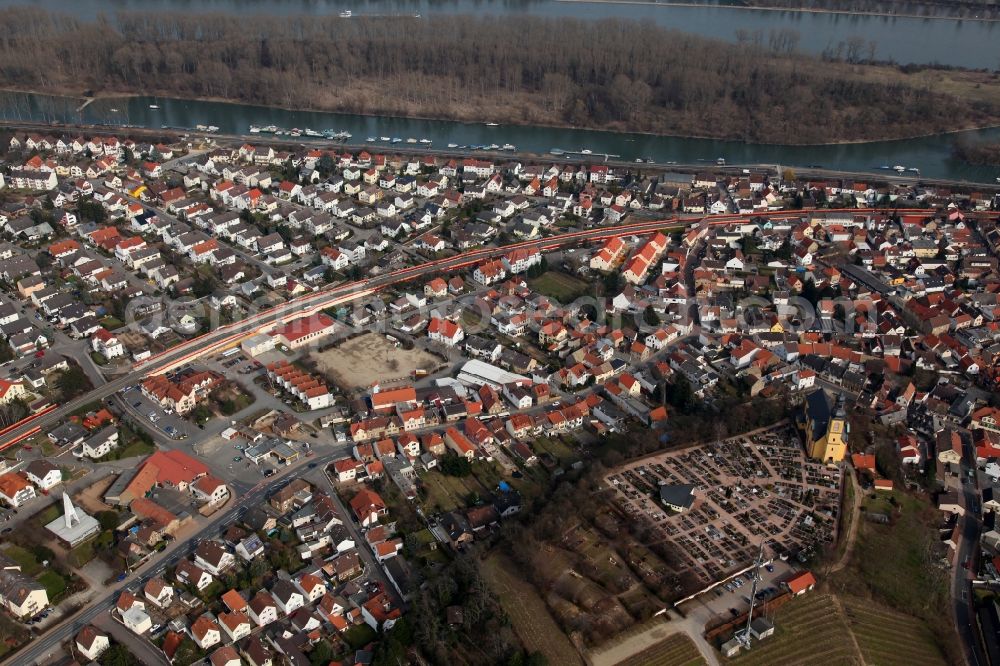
(871, 175)
(108, 96)
(618, 76)
(783, 9)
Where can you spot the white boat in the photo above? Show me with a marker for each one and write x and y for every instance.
(371, 139)
(493, 146)
(312, 132)
(721, 161)
(425, 141)
(346, 13)
(639, 160)
(153, 106)
(396, 139)
(509, 146)
(384, 138)
(557, 151)
(411, 140)
(998, 179)
(899, 168)
(455, 145)
(254, 129)
(114, 110)
(913, 169)
(295, 131)
(493, 124)
(270, 128)
(586, 151)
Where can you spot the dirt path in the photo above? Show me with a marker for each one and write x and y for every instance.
(852, 531)
(850, 631)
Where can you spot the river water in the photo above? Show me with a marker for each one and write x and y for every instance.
(959, 43)
(931, 155)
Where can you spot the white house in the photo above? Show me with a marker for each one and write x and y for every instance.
(91, 642)
(43, 474)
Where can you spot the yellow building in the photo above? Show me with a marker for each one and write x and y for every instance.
(826, 429)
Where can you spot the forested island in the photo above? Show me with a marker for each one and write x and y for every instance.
(616, 75)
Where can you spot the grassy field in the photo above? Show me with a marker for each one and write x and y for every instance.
(558, 285)
(557, 448)
(29, 563)
(887, 637)
(678, 650)
(897, 563)
(528, 614)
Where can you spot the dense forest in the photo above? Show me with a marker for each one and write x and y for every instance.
(608, 74)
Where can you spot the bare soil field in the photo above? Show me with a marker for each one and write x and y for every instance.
(360, 362)
(91, 499)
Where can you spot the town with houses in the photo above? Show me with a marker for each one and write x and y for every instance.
(288, 495)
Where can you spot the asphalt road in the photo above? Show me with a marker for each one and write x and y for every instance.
(409, 149)
(216, 340)
(968, 551)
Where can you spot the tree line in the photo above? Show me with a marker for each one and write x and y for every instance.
(613, 74)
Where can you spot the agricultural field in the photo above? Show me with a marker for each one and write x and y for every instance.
(827, 629)
(528, 614)
(809, 630)
(560, 286)
(678, 650)
(360, 362)
(887, 637)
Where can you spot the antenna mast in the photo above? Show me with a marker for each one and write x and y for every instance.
(744, 639)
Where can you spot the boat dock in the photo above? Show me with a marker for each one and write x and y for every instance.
(584, 154)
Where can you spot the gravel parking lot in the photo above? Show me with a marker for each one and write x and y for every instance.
(747, 488)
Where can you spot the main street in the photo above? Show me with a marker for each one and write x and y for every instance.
(230, 335)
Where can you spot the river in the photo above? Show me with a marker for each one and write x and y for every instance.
(931, 155)
(968, 43)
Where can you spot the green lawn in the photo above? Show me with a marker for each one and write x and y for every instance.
(55, 585)
(111, 323)
(440, 497)
(47, 515)
(29, 564)
(359, 636)
(555, 447)
(558, 285)
(137, 448)
(82, 554)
